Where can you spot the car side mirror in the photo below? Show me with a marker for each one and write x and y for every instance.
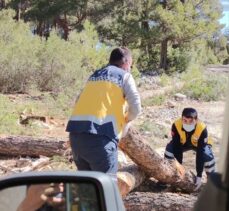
(70, 191)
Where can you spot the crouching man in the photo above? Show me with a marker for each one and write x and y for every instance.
(189, 133)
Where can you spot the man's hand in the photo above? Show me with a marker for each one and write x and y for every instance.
(38, 195)
(197, 183)
(53, 195)
(126, 128)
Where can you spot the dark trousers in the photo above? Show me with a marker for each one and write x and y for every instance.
(175, 150)
(94, 152)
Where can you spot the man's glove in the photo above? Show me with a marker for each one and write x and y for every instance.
(197, 183)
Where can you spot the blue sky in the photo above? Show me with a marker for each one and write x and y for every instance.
(225, 18)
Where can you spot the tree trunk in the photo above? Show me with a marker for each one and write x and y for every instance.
(39, 30)
(153, 164)
(163, 57)
(145, 41)
(129, 177)
(30, 146)
(64, 25)
(2, 4)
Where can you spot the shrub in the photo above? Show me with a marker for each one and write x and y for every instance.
(165, 80)
(154, 129)
(68, 63)
(18, 58)
(155, 100)
(178, 59)
(204, 86)
(49, 65)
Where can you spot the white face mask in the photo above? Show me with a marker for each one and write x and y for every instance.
(189, 128)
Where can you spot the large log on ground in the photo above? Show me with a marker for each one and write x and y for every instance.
(162, 201)
(129, 177)
(153, 164)
(129, 174)
(30, 146)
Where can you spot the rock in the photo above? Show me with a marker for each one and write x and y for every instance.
(180, 97)
(171, 104)
(147, 133)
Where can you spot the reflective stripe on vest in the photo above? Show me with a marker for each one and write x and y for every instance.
(108, 106)
(200, 126)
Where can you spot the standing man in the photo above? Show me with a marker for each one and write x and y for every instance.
(107, 103)
(188, 133)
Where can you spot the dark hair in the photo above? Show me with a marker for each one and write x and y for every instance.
(189, 113)
(119, 56)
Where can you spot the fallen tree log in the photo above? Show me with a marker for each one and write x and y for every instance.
(129, 177)
(30, 146)
(141, 153)
(154, 165)
(162, 201)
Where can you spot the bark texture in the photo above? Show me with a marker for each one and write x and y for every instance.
(148, 201)
(30, 146)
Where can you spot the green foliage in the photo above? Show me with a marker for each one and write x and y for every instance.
(178, 59)
(204, 86)
(211, 57)
(68, 63)
(202, 52)
(18, 59)
(136, 74)
(56, 63)
(146, 126)
(226, 61)
(156, 130)
(9, 118)
(42, 104)
(155, 100)
(165, 80)
(142, 25)
(92, 53)
(59, 104)
(149, 61)
(29, 61)
(50, 65)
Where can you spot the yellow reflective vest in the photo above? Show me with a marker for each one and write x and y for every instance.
(200, 126)
(101, 106)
